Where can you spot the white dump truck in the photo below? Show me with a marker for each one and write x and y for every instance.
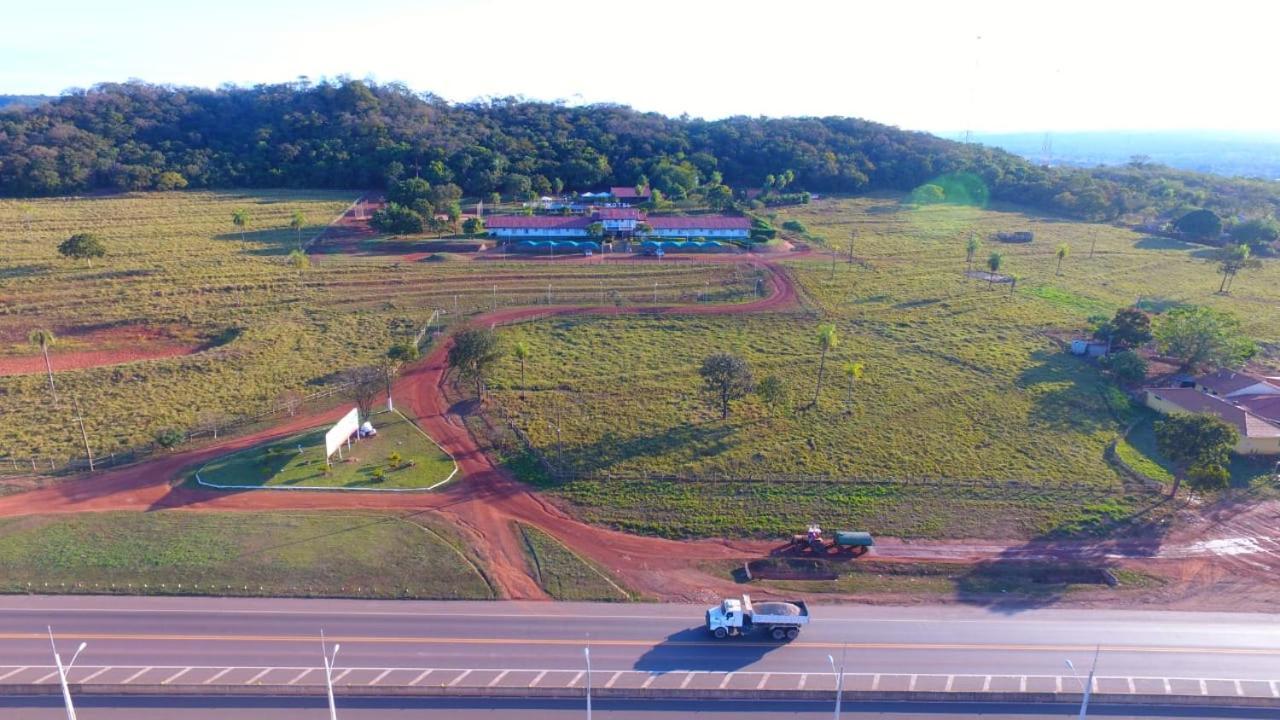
(778, 620)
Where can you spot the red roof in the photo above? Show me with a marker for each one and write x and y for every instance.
(700, 222)
(1194, 401)
(1268, 406)
(540, 222)
(1225, 382)
(628, 193)
(619, 214)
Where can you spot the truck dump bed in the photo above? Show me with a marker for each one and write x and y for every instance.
(793, 612)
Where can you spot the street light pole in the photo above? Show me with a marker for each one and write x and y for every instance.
(1087, 689)
(586, 652)
(62, 673)
(328, 673)
(839, 678)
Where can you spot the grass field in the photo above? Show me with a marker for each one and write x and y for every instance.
(176, 552)
(564, 575)
(420, 464)
(178, 272)
(962, 382)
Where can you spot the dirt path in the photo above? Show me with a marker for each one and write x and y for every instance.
(488, 499)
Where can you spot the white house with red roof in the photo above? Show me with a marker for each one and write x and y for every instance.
(1232, 384)
(1258, 435)
(618, 222)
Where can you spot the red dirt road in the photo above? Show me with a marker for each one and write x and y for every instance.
(110, 346)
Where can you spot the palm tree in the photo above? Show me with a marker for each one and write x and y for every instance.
(853, 371)
(994, 261)
(970, 249)
(521, 352)
(296, 221)
(240, 218)
(1063, 250)
(44, 338)
(827, 341)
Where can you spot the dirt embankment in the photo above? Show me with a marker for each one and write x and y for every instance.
(81, 348)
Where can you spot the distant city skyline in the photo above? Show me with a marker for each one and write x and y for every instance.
(989, 67)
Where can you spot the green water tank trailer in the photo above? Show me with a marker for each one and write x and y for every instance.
(852, 539)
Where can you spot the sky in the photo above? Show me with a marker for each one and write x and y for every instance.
(946, 67)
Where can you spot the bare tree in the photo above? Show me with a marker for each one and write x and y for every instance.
(363, 385)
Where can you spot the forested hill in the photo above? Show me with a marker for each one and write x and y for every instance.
(355, 134)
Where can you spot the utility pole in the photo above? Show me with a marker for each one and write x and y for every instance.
(853, 234)
(839, 678)
(328, 673)
(586, 652)
(1086, 689)
(62, 674)
(75, 401)
(833, 263)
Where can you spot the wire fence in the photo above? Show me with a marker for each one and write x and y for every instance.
(12, 465)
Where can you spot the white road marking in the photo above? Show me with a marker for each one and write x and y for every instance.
(1022, 684)
(1168, 689)
(459, 678)
(1275, 689)
(44, 678)
(301, 675)
(575, 679)
(1132, 689)
(689, 676)
(1239, 690)
(535, 680)
(260, 675)
(15, 671)
(986, 684)
(912, 685)
(421, 677)
(498, 678)
(1204, 689)
(376, 680)
(951, 680)
(763, 680)
(215, 677)
(342, 674)
(94, 675)
(135, 676)
(613, 679)
(875, 682)
(648, 681)
(725, 680)
(175, 676)
(803, 678)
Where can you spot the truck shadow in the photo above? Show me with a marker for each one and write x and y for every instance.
(693, 649)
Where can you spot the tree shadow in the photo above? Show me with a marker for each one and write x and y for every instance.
(19, 271)
(684, 651)
(1157, 305)
(270, 242)
(1074, 400)
(611, 450)
(1154, 242)
(1041, 571)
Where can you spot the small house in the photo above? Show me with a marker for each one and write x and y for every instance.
(1231, 384)
(1088, 348)
(1257, 435)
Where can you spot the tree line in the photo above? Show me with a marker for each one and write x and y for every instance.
(358, 134)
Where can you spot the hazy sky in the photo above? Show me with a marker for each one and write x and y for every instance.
(1031, 65)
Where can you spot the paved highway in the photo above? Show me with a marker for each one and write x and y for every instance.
(249, 641)
(222, 708)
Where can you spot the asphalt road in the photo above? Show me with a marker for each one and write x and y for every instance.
(222, 708)
(176, 632)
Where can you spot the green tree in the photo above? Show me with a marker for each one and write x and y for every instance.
(521, 352)
(240, 218)
(994, 261)
(773, 392)
(396, 218)
(1063, 251)
(718, 197)
(1257, 232)
(828, 340)
(299, 260)
(1200, 446)
(170, 180)
(1127, 366)
(473, 226)
(408, 191)
(297, 221)
(473, 354)
(393, 361)
(1129, 328)
(1202, 225)
(971, 247)
(644, 229)
(928, 194)
(852, 371)
(169, 438)
(1200, 336)
(82, 246)
(43, 339)
(1231, 260)
(596, 230)
(727, 377)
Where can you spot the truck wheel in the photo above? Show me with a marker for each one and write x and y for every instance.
(793, 633)
(779, 633)
(720, 633)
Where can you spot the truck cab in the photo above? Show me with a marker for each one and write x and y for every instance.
(726, 619)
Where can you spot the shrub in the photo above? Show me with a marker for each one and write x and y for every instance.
(168, 438)
(1208, 475)
(379, 474)
(394, 460)
(1127, 367)
(795, 226)
(396, 218)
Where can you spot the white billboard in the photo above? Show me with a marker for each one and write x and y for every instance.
(338, 434)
